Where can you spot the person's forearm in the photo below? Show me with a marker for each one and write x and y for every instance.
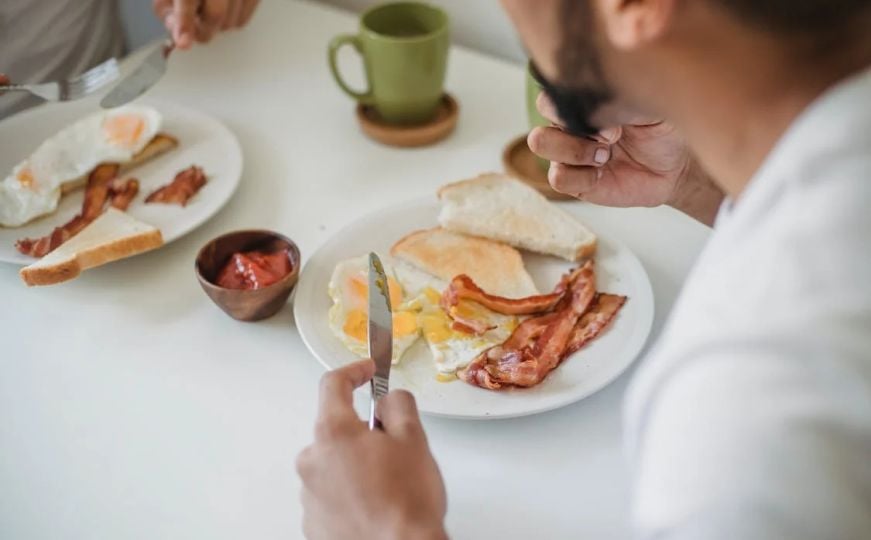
(698, 196)
(418, 532)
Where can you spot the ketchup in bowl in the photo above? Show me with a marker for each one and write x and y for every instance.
(254, 269)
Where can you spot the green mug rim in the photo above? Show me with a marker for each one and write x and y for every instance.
(405, 39)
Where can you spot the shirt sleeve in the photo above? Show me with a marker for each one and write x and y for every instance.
(759, 442)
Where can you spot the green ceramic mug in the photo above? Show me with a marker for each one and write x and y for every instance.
(533, 88)
(404, 46)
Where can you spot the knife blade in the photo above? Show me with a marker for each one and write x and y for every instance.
(143, 77)
(380, 334)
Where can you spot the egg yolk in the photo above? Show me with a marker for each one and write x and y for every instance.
(360, 291)
(26, 178)
(357, 324)
(124, 129)
(436, 326)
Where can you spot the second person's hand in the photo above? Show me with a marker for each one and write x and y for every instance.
(199, 20)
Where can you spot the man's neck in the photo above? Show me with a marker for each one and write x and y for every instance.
(734, 119)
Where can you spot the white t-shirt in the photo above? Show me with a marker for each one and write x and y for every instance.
(751, 418)
(48, 40)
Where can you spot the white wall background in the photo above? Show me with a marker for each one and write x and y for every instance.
(478, 24)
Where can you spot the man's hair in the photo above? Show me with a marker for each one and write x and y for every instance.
(797, 16)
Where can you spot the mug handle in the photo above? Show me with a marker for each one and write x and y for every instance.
(335, 44)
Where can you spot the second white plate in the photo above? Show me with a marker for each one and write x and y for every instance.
(587, 371)
(203, 141)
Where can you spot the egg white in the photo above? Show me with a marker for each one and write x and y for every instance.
(346, 301)
(69, 154)
(451, 349)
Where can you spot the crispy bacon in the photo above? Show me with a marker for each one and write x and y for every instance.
(185, 185)
(463, 287)
(541, 343)
(122, 192)
(98, 189)
(602, 311)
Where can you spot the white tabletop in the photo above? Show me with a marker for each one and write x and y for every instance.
(131, 407)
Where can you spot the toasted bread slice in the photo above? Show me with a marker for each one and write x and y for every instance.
(499, 207)
(497, 268)
(112, 236)
(160, 144)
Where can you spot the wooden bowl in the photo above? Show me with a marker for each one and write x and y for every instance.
(245, 304)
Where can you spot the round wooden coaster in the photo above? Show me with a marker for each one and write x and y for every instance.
(519, 161)
(442, 124)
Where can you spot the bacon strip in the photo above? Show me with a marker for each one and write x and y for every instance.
(96, 193)
(463, 287)
(122, 193)
(185, 185)
(539, 344)
(602, 311)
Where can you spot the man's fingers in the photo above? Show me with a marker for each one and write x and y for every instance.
(556, 145)
(337, 389)
(574, 181)
(398, 413)
(247, 11)
(214, 13)
(184, 22)
(234, 14)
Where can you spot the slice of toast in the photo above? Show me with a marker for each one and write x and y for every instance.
(112, 236)
(158, 145)
(499, 207)
(497, 268)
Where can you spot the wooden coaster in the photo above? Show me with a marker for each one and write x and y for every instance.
(442, 124)
(519, 161)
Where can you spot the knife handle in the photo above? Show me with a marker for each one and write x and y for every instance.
(379, 387)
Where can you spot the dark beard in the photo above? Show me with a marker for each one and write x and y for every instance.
(575, 106)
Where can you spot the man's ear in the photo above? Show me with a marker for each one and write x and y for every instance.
(630, 24)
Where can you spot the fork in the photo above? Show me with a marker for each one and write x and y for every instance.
(71, 89)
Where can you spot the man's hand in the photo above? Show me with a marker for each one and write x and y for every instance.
(199, 20)
(369, 484)
(633, 165)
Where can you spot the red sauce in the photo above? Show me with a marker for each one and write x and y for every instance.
(254, 269)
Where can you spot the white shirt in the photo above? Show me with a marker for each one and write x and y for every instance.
(751, 419)
(48, 40)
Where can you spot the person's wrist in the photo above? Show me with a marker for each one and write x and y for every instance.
(697, 195)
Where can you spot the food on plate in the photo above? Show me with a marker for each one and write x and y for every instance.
(185, 185)
(113, 235)
(349, 315)
(254, 269)
(127, 135)
(100, 183)
(541, 343)
(452, 346)
(496, 267)
(122, 193)
(501, 208)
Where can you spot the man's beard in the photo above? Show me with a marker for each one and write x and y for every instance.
(576, 106)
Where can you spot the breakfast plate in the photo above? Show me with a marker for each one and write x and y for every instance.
(203, 141)
(585, 372)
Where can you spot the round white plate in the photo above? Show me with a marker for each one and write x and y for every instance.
(203, 141)
(582, 374)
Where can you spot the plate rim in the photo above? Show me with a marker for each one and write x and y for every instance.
(161, 105)
(646, 321)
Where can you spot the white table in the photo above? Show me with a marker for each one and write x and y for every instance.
(131, 407)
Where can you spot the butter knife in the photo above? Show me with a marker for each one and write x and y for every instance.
(142, 78)
(380, 334)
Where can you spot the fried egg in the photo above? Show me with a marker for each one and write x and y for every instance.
(349, 314)
(451, 349)
(33, 188)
